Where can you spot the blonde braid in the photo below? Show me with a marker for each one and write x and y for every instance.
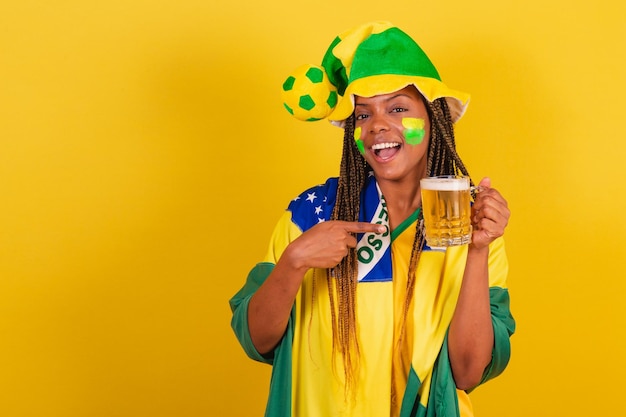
(443, 159)
(344, 276)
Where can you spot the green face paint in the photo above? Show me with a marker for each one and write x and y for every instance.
(359, 142)
(413, 130)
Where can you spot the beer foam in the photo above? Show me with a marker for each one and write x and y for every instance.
(445, 184)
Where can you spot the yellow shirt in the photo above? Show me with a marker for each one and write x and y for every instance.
(308, 378)
(318, 387)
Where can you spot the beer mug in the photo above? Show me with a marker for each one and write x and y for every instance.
(446, 209)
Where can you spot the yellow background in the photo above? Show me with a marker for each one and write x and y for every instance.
(145, 156)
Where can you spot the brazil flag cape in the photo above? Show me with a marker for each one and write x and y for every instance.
(308, 379)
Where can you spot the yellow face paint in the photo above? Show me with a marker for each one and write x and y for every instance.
(359, 142)
(413, 130)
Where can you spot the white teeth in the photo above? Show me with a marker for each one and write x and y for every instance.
(384, 145)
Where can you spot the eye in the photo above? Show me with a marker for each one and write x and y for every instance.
(361, 116)
(399, 109)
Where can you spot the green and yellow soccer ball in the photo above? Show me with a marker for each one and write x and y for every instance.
(308, 94)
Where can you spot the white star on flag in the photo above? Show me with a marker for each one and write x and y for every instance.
(311, 196)
(318, 209)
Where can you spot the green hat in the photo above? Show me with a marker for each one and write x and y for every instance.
(371, 59)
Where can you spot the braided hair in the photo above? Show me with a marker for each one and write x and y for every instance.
(342, 279)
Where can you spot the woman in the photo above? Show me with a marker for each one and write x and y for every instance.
(357, 315)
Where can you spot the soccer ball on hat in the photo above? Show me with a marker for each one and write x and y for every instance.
(308, 94)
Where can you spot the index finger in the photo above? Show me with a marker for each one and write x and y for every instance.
(494, 194)
(364, 227)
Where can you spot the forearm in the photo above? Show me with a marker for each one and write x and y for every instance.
(323, 246)
(270, 306)
(470, 339)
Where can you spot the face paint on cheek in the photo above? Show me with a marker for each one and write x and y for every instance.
(359, 142)
(413, 130)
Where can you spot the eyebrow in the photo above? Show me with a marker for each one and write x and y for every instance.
(387, 100)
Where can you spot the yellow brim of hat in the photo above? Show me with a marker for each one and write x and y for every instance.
(374, 85)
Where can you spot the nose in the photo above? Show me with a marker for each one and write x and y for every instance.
(378, 123)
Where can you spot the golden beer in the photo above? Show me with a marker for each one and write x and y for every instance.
(446, 208)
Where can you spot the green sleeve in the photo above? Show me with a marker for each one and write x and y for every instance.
(239, 306)
(279, 401)
(503, 329)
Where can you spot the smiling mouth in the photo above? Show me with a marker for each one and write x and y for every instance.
(385, 150)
